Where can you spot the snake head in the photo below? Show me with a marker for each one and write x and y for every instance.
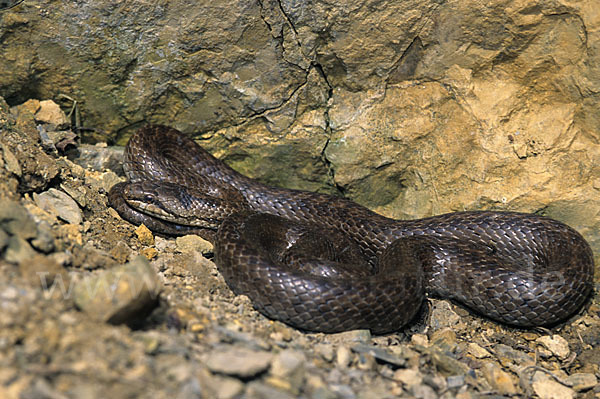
(176, 203)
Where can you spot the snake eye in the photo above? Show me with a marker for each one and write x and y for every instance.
(148, 198)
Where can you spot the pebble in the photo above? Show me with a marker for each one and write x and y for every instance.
(289, 366)
(59, 204)
(343, 356)
(193, 243)
(478, 351)
(144, 235)
(500, 380)
(408, 377)
(16, 220)
(258, 390)
(226, 387)
(442, 316)
(582, 381)
(555, 344)
(44, 240)
(50, 113)
(238, 361)
(326, 351)
(18, 250)
(11, 163)
(380, 354)
(118, 295)
(100, 158)
(362, 336)
(547, 388)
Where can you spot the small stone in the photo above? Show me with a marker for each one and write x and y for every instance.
(49, 112)
(478, 351)
(238, 361)
(16, 220)
(582, 381)
(258, 390)
(555, 344)
(423, 391)
(118, 295)
(498, 379)
(144, 235)
(44, 240)
(289, 366)
(343, 357)
(547, 388)
(420, 339)
(506, 353)
(18, 250)
(121, 252)
(226, 387)
(11, 163)
(59, 204)
(380, 354)
(193, 243)
(149, 253)
(366, 361)
(408, 377)
(442, 316)
(325, 351)
(362, 336)
(455, 381)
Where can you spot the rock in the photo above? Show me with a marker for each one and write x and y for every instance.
(547, 388)
(343, 357)
(582, 381)
(258, 390)
(326, 351)
(477, 351)
(193, 243)
(100, 158)
(16, 221)
(408, 377)
(238, 361)
(380, 354)
(226, 387)
(60, 204)
(498, 379)
(18, 250)
(362, 336)
(49, 112)
(288, 365)
(11, 163)
(44, 239)
(144, 235)
(443, 316)
(119, 295)
(555, 344)
(455, 381)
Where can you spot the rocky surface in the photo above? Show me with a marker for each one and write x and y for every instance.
(85, 314)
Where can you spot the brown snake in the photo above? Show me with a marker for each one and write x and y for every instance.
(324, 263)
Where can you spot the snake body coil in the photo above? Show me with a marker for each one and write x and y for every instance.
(324, 263)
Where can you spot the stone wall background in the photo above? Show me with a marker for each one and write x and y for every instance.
(412, 108)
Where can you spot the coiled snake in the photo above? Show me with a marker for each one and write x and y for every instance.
(324, 263)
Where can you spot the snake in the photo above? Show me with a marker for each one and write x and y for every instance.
(324, 263)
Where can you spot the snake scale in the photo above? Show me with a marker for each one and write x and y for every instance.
(324, 263)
